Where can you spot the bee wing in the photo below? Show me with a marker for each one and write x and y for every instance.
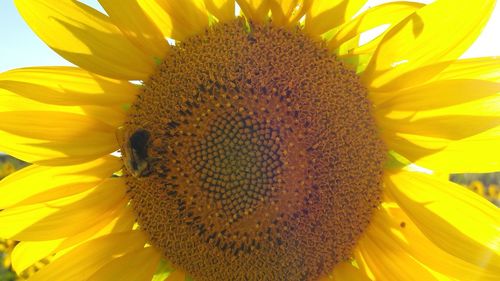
(126, 151)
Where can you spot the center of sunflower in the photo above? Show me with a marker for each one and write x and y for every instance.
(237, 162)
(252, 155)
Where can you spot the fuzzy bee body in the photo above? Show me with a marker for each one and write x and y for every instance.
(134, 148)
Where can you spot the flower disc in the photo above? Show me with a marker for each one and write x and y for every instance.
(253, 155)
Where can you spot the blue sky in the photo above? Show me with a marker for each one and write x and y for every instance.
(20, 47)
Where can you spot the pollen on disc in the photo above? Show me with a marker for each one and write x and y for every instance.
(265, 162)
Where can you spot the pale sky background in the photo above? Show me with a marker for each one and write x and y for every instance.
(20, 47)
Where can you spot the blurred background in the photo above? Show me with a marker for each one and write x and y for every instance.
(21, 48)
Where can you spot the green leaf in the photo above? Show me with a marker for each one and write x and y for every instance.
(396, 161)
(163, 271)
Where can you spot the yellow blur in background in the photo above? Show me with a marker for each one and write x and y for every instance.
(9, 165)
(490, 191)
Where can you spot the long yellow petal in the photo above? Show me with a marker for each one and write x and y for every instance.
(10, 101)
(347, 44)
(474, 68)
(386, 14)
(324, 15)
(453, 218)
(393, 224)
(387, 261)
(46, 152)
(458, 131)
(223, 10)
(86, 38)
(111, 115)
(475, 154)
(347, 272)
(26, 253)
(63, 85)
(122, 219)
(139, 265)
(136, 25)
(452, 127)
(62, 217)
(177, 19)
(36, 184)
(441, 94)
(288, 12)
(72, 135)
(255, 10)
(485, 68)
(427, 37)
(86, 259)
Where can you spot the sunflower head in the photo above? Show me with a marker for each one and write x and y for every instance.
(259, 147)
(253, 146)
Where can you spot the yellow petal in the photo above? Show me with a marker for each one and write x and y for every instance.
(346, 44)
(324, 15)
(62, 217)
(111, 115)
(353, 47)
(393, 224)
(63, 85)
(10, 101)
(475, 154)
(86, 38)
(452, 127)
(177, 19)
(288, 12)
(386, 14)
(427, 37)
(138, 265)
(122, 219)
(51, 153)
(347, 272)
(37, 184)
(86, 259)
(41, 135)
(457, 133)
(440, 94)
(223, 10)
(31, 150)
(474, 68)
(455, 219)
(27, 253)
(255, 10)
(485, 68)
(136, 25)
(387, 261)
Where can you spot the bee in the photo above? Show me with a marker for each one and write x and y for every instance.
(134, 149)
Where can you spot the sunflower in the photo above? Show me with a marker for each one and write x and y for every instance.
(271, 145)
